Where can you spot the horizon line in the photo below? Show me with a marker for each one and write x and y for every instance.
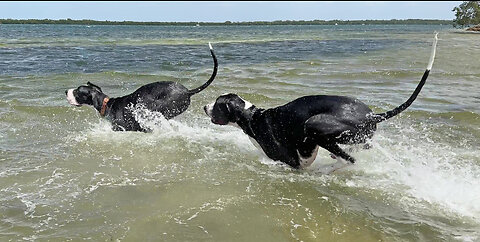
(226, 21)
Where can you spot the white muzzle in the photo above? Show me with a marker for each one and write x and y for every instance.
(71, 98)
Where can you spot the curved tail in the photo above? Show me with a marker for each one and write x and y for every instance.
(206, 84)
(384, 116)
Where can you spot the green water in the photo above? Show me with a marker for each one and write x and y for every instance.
(64, 175)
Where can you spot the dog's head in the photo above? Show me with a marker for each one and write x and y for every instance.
(83, 94)
(226, 109)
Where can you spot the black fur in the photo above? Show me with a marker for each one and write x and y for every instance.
(298, 127)
(168, 98)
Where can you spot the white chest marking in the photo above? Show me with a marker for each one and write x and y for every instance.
(307, 161)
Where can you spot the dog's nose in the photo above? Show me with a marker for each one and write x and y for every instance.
(66, 92)
(205, 109)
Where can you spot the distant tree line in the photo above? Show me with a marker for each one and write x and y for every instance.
(278, 22)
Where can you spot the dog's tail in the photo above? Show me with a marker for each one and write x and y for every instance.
(206, 84)
(392, 113)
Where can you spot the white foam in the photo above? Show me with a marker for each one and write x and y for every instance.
(412, 169)
(399, 162)
(404, 162)
(163, 130)
(423, 171)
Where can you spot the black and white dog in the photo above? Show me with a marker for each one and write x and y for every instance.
(293, 132)
(168, 98)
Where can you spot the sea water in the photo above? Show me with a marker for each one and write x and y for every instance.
(65, 175)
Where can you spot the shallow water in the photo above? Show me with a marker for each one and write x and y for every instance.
(64, 175)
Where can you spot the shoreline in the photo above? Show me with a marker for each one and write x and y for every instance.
(229, 23)
(475, 29)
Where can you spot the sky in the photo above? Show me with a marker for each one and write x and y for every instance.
(228, 11)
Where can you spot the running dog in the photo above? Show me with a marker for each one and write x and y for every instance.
(292, 133)
(168, 98)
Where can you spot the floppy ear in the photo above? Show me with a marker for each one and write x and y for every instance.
(232, 112)
(93, 85)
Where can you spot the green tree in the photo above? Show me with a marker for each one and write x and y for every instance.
(467, 13)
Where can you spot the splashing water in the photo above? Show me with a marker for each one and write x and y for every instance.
(65, 175)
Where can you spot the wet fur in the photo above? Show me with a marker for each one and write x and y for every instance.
(292, 133)
(168, 98)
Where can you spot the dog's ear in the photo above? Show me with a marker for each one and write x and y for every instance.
(93, 85)
(233, 111)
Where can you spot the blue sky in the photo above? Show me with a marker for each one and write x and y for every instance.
(227, 11)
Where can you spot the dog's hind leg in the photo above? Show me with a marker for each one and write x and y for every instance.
(326, 131)
(338, 152)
